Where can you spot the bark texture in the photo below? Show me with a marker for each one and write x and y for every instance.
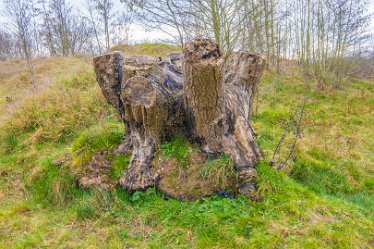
(151, 112)
(200, 94)
(108, 69)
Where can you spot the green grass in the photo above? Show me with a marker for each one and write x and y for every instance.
(15, 78)
(218, 168)
(119, 164)
(323, 199)
(178, 148)
(10, 143)
(58, 111)
(53, 184)
(96, 138)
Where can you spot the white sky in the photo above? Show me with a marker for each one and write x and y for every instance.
(139, 34)
(371, 10)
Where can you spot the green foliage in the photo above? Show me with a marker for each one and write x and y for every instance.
(178, 148)
(97, 138)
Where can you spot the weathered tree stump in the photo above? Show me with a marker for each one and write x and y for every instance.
(200, 94)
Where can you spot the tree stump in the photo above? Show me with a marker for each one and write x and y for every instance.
(199, 94)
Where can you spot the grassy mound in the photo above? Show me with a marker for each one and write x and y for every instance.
(322, 199)
(151, 49)
(15, 79)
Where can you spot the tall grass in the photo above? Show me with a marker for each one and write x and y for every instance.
(59, 112)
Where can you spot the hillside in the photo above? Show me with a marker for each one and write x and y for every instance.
(324, 198)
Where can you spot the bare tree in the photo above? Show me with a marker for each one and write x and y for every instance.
(105, 9)
(9, 46)
(61, 13)
(221, 20)
(109, 27)
(19, 13)
(93, 18)
(64, 30)
(47, 32)
(121, 28)
(172, 17)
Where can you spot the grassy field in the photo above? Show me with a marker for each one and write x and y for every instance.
(322, 199)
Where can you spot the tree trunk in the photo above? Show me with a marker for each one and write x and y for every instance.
(151, 112)
(200, 95)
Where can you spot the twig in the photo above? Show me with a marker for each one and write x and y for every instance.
(297, 130)
(281, 165)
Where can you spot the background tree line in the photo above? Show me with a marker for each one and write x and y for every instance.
(325, 37)
(55, 27)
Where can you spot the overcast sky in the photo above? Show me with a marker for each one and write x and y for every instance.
(139, 34)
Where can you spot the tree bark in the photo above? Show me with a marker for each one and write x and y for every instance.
(151, 112)
(200, 95)
(108, 69)
(218, 99)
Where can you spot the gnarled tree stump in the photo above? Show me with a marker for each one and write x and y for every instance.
(198, 94)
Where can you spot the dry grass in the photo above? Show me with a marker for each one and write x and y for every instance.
(57, 112)
(15, 79)
(151, 49)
